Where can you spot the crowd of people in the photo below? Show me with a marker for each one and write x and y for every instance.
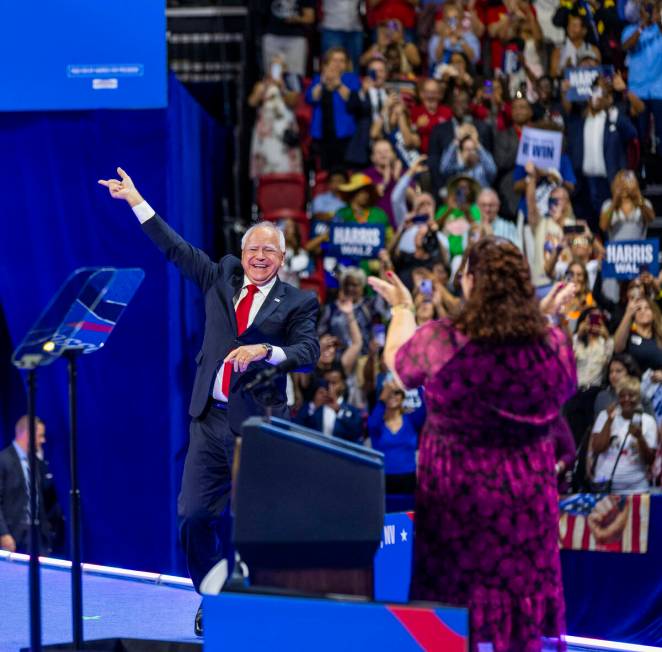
(413, 121)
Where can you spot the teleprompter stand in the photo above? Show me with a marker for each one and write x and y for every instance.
(78, 320)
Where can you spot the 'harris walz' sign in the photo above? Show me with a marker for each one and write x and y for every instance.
(355, 240)
(626, 259)
(581, 81)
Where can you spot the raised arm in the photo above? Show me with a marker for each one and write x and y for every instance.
(192, 262)
(403, 321)
(351, 353)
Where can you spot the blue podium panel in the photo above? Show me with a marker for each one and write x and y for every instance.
(245, 621)
(615, 596)
(82, 55)
(393, 560)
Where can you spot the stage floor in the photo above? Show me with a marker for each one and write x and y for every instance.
(117, 607)
(112, 607)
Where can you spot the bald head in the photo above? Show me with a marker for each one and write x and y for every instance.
(489, 205)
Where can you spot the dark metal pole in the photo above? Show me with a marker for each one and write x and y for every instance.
(35, 529)
(75, 543)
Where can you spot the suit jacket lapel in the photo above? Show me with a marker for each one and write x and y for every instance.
(270, 304)
(229, 290)
(18, 471)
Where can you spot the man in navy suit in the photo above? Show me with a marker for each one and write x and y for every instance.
(253, 320)
(329, 412)
(14, 486)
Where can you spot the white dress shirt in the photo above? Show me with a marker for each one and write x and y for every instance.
(593, 164)
(329, 416)
(144, 212)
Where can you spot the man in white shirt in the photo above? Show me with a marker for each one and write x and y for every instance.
(489, 205)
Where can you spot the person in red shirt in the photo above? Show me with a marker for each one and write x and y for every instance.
(430, 112)
(402, 10)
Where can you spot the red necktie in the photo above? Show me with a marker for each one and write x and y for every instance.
(243, 310)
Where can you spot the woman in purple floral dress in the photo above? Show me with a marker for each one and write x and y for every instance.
(495, 377)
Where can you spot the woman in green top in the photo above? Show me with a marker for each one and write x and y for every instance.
(458, 213)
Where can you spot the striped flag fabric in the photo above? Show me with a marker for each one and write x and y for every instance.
(604, 523)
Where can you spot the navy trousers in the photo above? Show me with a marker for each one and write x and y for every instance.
(203, 506)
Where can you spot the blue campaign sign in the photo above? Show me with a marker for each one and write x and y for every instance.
(626, 259)
(82, 55)
(355, 240)
(582, 80)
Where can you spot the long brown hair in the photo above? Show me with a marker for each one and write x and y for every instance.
(502, 305)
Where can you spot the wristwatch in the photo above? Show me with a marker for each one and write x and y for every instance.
(270, 350)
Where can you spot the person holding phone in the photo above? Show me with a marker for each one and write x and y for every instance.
(452, 35)
(329, 94)
(390, 36)
(466, 156)
(395, 432)
(640, 333)
(624, 441)
(578, 244)
(275, 143)
(582, 299)
(593, 347)
(597, 144)
(429, 111)
(628, 213)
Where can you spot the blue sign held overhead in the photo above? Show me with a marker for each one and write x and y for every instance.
(626, 259)
(355, 240)
(581, 81)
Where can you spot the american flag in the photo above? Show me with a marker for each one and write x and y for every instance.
(575, 532)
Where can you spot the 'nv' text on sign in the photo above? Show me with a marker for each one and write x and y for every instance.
(355, 240)
(626, 259)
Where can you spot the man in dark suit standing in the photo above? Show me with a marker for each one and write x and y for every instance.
(14, 489)
(253, 320)
(444, 134)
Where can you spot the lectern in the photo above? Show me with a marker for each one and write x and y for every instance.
(308, 508)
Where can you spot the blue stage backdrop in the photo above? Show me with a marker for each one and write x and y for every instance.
(133, 394)
(82, 55)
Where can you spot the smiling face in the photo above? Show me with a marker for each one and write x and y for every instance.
(488, 204)
(382, 154)
(644, 315)
(328, 348)
(395, 399)
(261, 256)
(617, 372)
(628, 400)
(576, 273)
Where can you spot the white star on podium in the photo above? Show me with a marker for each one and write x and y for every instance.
(403, 535)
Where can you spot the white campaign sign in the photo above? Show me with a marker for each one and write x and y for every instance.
(541, 147)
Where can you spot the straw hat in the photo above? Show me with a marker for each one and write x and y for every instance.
(358, 182)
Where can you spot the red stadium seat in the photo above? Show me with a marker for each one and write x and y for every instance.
(315, 284)
(276, 191)
(320, 183)
(299, 217)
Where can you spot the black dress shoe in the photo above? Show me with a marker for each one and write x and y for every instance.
(197, 627)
